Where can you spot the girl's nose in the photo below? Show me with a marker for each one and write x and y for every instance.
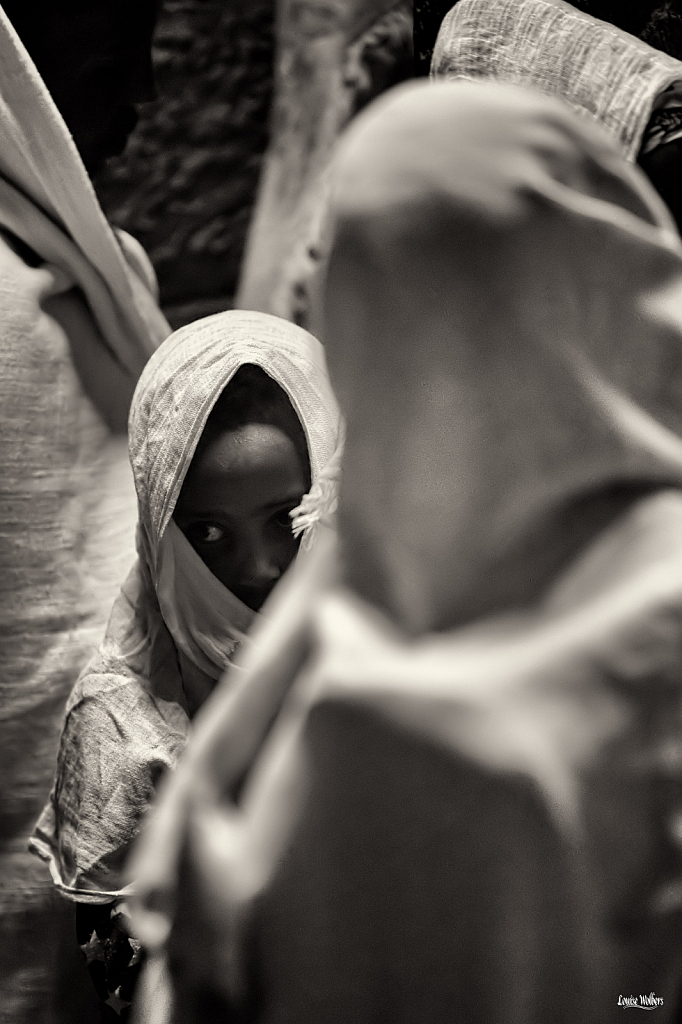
(260, 565)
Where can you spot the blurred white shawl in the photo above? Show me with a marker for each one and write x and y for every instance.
(430, 790)
(600, 71)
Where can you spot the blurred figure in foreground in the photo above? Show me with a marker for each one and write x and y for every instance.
(630, 86)
(447, 786)
(78, 320)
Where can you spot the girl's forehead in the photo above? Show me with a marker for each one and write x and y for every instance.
(253, 447)
(171, 419)
(242, 472)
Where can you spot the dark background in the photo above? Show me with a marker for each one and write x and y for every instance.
(428, 15)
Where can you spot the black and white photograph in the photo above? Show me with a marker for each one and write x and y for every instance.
(340, 511)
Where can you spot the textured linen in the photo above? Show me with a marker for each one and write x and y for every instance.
(78, 320)
(174, 627)
(601, 72)
(429, 798)
(48, 201)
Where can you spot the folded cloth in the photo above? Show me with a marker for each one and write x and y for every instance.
(174, 627)
(48, 201)
(78, 320)
(600, 71)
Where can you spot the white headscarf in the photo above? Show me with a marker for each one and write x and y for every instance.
(601, 72)
(174, 398)
(174, 627)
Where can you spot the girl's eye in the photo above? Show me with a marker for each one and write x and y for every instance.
(282, 518)
(207, 533)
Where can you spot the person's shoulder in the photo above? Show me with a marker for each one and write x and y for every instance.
(116, 745)
(138, 260)
(111, 704)
(26, 280)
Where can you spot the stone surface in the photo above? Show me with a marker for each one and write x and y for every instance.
(186, 185)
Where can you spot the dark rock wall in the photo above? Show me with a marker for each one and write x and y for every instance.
(186, 185)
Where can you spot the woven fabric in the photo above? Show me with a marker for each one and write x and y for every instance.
(174, 627)
(182, 382)
(78, 319)
(601, 72)
(48, 201)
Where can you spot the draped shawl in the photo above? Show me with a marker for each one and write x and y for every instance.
(601, 72)
(78, 320)
(174, 628)
(428, 799)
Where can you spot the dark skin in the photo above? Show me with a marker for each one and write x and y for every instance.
(234, 507)
(95, 58)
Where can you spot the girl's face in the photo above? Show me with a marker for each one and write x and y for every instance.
(234, 507)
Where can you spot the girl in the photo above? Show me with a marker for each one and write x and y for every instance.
(231, 424)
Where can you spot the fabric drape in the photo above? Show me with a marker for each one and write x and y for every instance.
(78, 320)
(174, 627)
(548, 332)
(48, 201)
(446, 786)
(601, 72)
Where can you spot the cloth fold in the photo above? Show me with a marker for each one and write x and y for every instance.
(48, 201)
(78, 320)
(174, 628)
(446, 782)
(204, 618)
(548, 367)
(601, 72)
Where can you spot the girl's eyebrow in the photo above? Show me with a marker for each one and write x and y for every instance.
(216, 513)
(282, 501)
